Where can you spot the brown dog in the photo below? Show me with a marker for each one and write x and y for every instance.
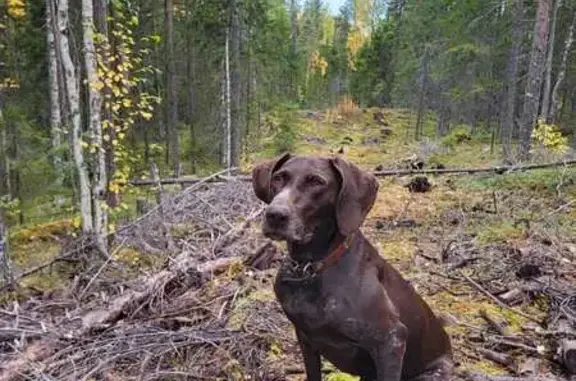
(345, 301)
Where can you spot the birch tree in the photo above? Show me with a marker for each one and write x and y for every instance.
(73, 117)
(171, 91)
(54, 86)
(556, 104)
(99, 215)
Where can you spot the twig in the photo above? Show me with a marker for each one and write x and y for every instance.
(110, 258)
(497, 357)
(498, 301)
(493, 323)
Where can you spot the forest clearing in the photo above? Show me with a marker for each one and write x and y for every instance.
(131, 245)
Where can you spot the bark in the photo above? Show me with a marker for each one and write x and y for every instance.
(556, 104)
(534, 77)
(99, 214)
(228, 105)
(422, 96)
(171, 94)
(549, 59)
(294, 49)
(5, 265)
(54, 84)
(235, 84)
(72, 88)
(507, 128)
(5, 185)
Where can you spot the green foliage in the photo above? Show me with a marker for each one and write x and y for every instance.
(285, 136)
(500, 232)
(372, 81)
(458, 135)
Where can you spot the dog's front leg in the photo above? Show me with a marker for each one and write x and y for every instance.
(311, 357)
(388, 353)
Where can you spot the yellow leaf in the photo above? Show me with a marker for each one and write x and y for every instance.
(146, 115)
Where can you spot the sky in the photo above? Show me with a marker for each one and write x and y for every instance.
(334, 5)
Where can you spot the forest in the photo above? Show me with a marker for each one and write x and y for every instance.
(130, 243)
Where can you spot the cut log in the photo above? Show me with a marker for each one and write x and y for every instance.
(568, 351)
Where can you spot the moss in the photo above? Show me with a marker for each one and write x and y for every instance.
(339, 376)
(49, 231)
(500, 232)
(245, 305)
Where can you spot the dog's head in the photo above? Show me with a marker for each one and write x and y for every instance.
(305, 194)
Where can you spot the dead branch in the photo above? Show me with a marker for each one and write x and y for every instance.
(497, 357)
(498, 301)
(191, 180)
(493, 323)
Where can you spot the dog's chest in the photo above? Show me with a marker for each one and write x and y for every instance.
(309, 305)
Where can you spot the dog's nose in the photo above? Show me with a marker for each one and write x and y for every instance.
(277, 217)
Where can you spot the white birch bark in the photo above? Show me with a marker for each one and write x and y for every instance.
(72, 86)
(54, 83)
(556, 104)
(99, 215)
(228, 105)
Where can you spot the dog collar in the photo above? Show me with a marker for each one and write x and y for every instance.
(334, 256)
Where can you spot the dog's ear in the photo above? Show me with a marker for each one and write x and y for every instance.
(357, 195)
(262, 173)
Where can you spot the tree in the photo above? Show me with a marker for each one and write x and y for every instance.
(99, 182)
(54, 80)
(549, 60)
(509, 107)
(73, 116)
(556, 105)
(534, 78)
(171, 91)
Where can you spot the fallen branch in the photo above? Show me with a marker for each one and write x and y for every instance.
(497, 357)
(192, 180)
(493, 323)
(498, 301)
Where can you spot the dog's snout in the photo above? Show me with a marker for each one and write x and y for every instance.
(277, 217)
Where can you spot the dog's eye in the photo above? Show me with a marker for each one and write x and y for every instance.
(279, 179)
(314, 180)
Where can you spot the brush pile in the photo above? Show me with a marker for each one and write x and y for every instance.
(203, 307)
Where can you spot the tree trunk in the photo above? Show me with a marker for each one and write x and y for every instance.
(5, 265)
(422, 96)
(549, 59)
(54, 84)
(72, 87)
(171, 91)
(99, 214)
(5, 186)
(293, 49)
(236, 84)
(534, 77)
(509, 112)
(228, 104)
(556, 104)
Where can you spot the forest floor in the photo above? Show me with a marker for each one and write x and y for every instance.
(186, 293)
